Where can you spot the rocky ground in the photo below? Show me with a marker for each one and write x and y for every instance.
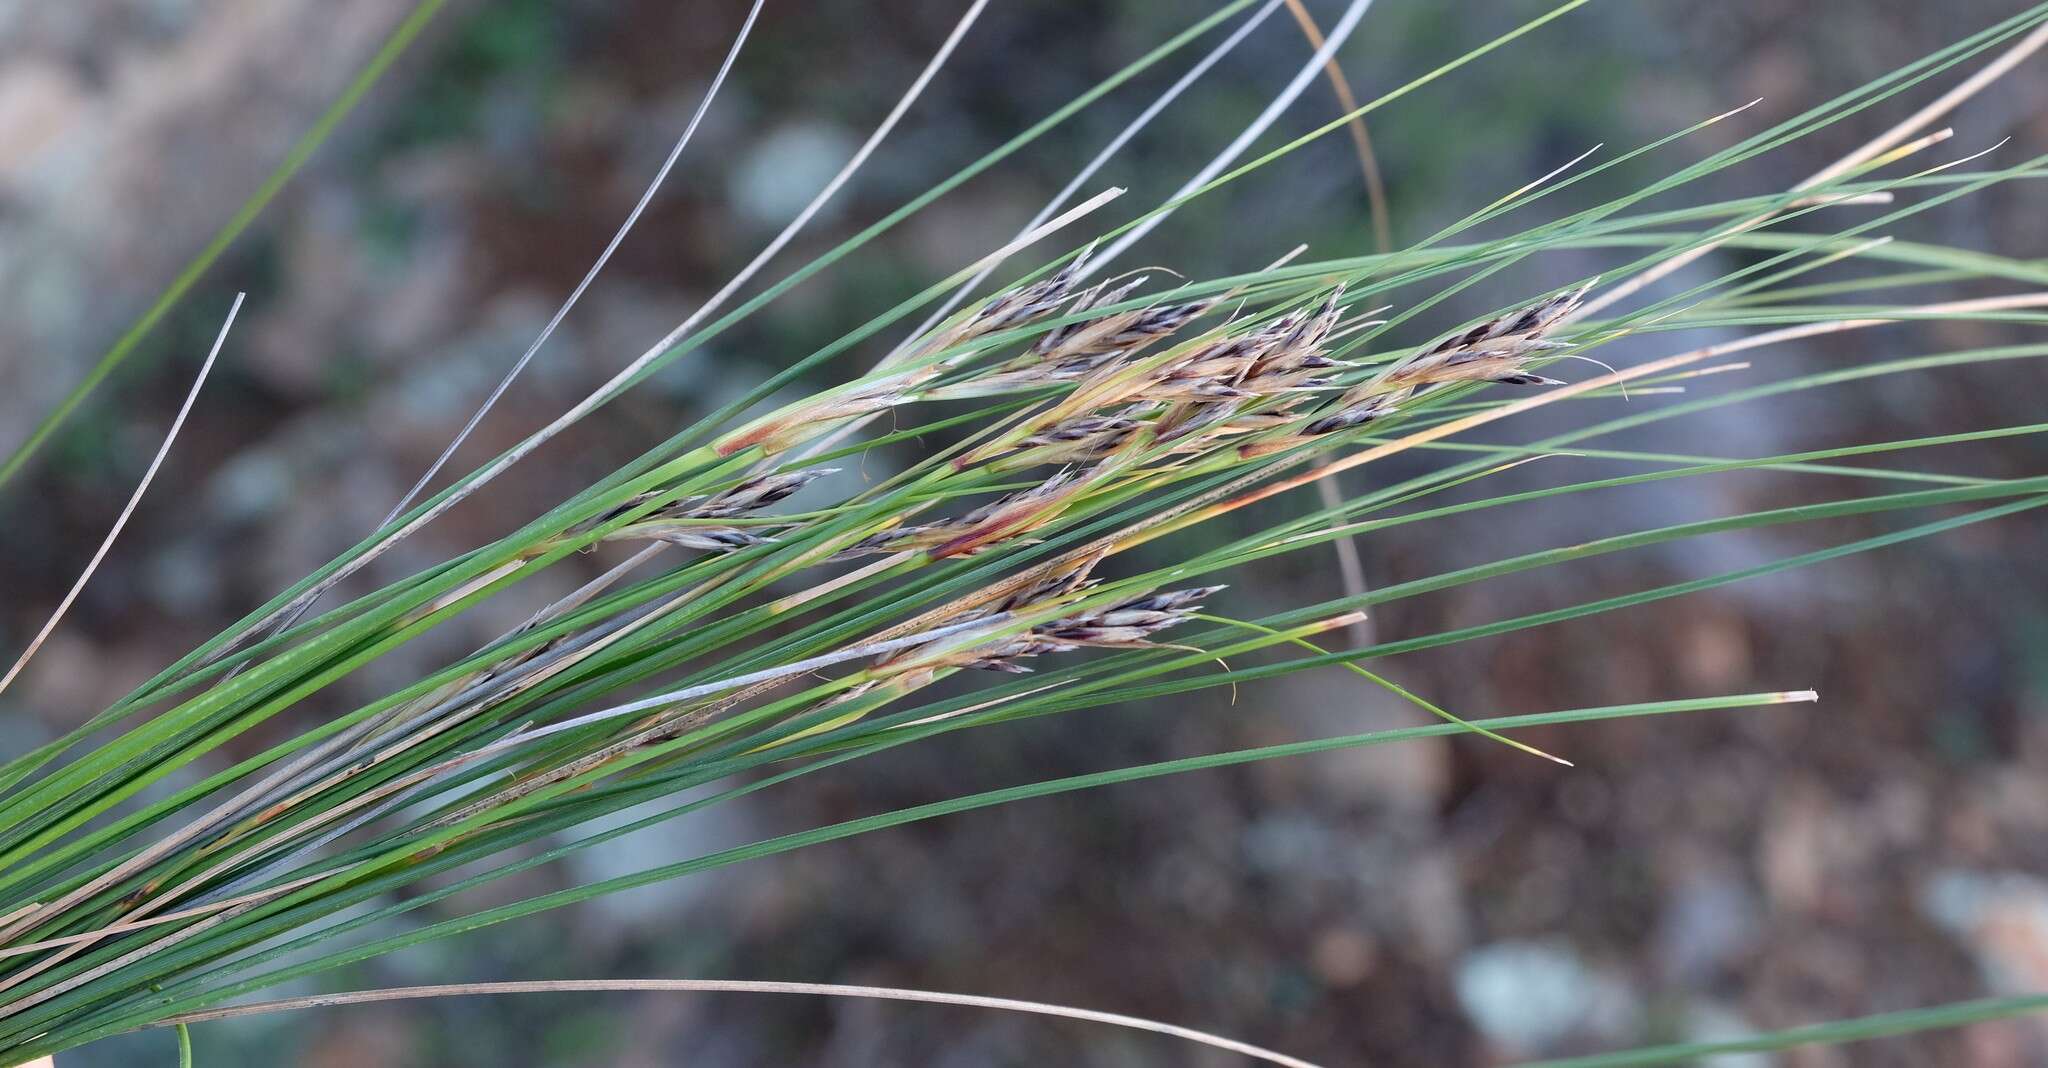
(1443, 903)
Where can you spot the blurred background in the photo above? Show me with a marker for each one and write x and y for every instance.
(1436, 903)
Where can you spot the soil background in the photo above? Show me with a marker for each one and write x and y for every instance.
(1441, 903)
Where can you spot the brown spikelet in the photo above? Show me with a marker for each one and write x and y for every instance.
(682, 521)
(1126, 624)
(1014, 515)
(1496, 350)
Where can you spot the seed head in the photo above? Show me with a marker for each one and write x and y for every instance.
(1128, 624)
(1011, 516)
(1493, 351)
(1024, 304)
(1125, 625)
(751, 495)
(681, 522)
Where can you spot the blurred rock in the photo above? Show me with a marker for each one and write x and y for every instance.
(786, 168)
(1528, 997)
(2002, 918)
(1706, 920)
(1710, 1022)
(1775, 866)
(1343, 956)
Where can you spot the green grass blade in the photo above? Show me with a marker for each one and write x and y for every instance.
(1859, 1029)
(394, 45)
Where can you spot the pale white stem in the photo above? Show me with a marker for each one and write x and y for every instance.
(1350, 563)
(134, 499)
(742, 986)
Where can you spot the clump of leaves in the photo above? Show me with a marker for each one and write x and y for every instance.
(788, 622)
